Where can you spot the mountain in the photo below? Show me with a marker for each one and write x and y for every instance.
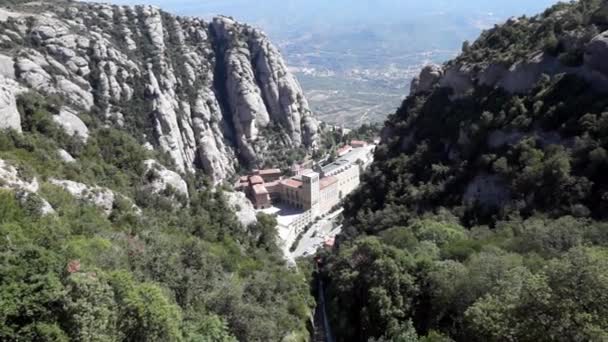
(483, 217)
(464, 132)
(118, 128)
(205, 93)
(349, 56)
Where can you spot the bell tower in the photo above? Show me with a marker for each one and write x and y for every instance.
(311, 192)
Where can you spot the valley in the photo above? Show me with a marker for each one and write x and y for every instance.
(308, 197)
(363, 88)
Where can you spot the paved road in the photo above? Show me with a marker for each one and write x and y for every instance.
(315, 237)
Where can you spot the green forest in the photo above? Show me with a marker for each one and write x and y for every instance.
(173, 270)
(422, 258)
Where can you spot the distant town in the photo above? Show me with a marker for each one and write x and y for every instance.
(309, 192)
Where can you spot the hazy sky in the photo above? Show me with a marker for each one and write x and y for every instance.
(278, 16)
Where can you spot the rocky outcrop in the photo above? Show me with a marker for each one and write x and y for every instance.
(71, 124)
(65, 156)
(520, 72)
(7, 68)
(242, 207)
(596, 53)
(429, 76)
(520, 77)
(282, 92)
(459, 79)
(97, 196)
(260, 89)
(206, 91)
(10, 178)
(9, 115)
(160, 178)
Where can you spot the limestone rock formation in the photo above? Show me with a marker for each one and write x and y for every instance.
(581, 52)
(72, 124)
(9, 115)
(11, 179)
(202, 92)
(596, 53)
(519, 77)
(459, 79)
(244, 210)
(97, 196)
(429, 76)
(7, 68)
(65, 156)
(161, 178)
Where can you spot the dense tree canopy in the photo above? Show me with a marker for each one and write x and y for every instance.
(177, 269)
(483, 217)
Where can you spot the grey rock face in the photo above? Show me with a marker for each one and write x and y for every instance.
(260, 89)
(164, 178)
(596, 53)
(206, 91)
(97, 196)
(459, 79)
(9, 115)
(7, 67)
(242, 207)
(283, 93)
(72, 124)
(523, 75)
(429, 76)
(11, 180)
(65, 156)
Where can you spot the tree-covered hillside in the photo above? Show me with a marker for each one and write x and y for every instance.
(159, 267)
(484, 215)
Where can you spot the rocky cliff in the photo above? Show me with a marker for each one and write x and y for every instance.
(206, 93)
(496, 60)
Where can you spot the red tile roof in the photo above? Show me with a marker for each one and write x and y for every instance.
(270, 172)
(292, 183)
(327, 181)
(256, 180)
(272, 186)
(260, 189)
